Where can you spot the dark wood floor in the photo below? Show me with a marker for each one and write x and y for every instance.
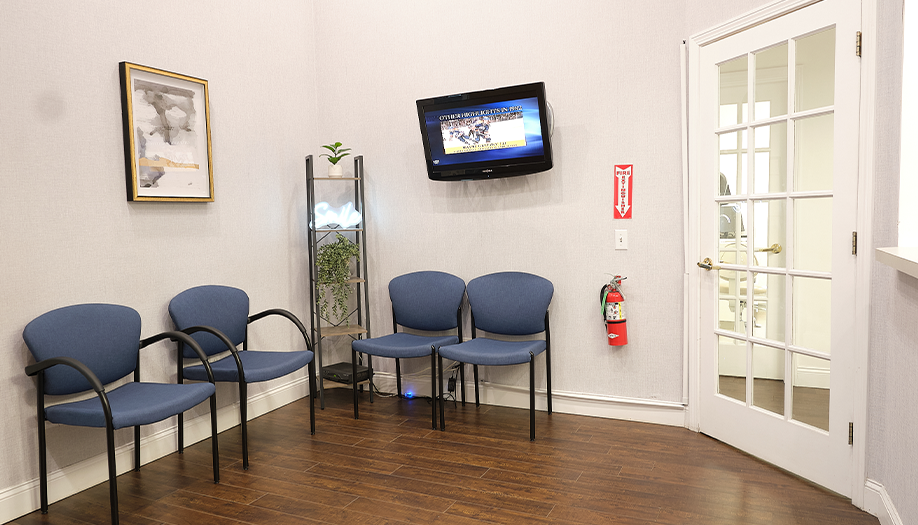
(390, 467)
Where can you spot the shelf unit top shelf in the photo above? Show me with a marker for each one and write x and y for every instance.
(332, 230)
(336, 178)
(343, 330)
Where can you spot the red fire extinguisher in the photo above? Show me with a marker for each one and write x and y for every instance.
(613, 311)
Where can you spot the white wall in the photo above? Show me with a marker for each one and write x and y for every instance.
(893, 393)
(614, 86)
(67, 233)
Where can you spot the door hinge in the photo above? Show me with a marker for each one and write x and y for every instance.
(850, 433)
(853, 243)
(857, 44)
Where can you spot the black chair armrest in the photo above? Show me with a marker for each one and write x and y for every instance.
(97, 386)
(184, 338)
(226, 340)
(288, 315)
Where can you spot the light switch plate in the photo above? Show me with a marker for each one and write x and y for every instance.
(621, 239)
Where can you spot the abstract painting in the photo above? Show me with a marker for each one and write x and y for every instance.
(166, 120)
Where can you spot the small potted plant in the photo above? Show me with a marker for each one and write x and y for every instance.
(337, 153)
(333, 262)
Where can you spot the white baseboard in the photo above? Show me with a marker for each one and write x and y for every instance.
(24, 498)
(878, 503)
(612, 407)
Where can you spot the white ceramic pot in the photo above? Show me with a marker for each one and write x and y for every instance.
(335, 171)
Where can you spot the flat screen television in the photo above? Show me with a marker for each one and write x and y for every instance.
(487, 134)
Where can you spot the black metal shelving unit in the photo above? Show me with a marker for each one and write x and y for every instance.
(323, 328)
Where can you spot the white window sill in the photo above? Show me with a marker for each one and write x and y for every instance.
(903, 259)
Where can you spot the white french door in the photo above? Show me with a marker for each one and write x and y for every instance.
(774, 150)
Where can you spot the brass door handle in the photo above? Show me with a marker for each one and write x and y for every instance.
(774, 248)
(708, 264)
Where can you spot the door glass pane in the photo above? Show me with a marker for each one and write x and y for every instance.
(733, 84)
(733, 163)
(768, 307)
(768, 378)
(771, 81)
(812, 313)
(815, 71)
(732, 301)
(813, 150)
(768, 233)
(731, 362)
(732, 221)
(811, 391)
(770, 171)
(813, 234)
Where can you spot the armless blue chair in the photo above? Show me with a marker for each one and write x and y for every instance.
(217, 317)
(424, 301)
(87, 346)
(510, 304)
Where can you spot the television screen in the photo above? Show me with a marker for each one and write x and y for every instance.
(486, 134)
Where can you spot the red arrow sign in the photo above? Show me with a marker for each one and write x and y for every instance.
(623, 190)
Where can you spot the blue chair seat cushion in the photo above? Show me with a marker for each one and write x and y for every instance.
(485, 351)
(132, 404)
(257, 366)
(402, 344)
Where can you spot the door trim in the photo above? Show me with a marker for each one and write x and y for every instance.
(866, 162)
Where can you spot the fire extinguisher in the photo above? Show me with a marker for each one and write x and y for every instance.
(612, 302)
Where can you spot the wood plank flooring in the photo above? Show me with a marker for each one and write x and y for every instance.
(390, 467)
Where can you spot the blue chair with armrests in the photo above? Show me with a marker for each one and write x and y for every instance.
(217, 317)
(505, 304)
(425, 302)
(87, 346)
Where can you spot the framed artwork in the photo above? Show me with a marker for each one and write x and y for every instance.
(166, 120)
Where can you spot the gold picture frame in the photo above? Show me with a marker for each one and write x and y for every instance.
(166, 123)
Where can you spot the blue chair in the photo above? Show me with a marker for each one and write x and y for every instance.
(217, 317)
(97, 344)
(424, 301)
(510, 304)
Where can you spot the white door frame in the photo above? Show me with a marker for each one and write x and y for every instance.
(866, 163)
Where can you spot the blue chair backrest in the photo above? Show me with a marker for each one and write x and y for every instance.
(426, 300)
(510, 303)
(221, 307)
(104, 337)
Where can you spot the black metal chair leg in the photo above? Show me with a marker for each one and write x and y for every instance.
(112, 472)
(433, 387)
(462, 381)
(244, 414)
(42, 465)
(439, 390)
(42, 453)
(214, 448)
(475, 372)
(181, 433)
(312, 396)
(548, 377)
(398, 376)
(531, 397)
(137, 448)
(354, 382)
(181, 417)
(370, 374)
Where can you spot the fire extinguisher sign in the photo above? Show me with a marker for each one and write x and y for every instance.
(623, 190)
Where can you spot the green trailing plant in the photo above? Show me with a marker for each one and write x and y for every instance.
(337, 152)
(333, 262)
